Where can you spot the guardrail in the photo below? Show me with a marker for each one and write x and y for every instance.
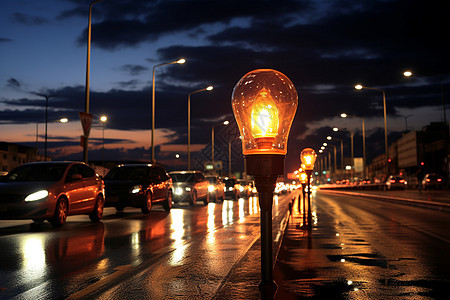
(365, 186)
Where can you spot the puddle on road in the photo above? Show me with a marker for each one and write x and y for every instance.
(364, 259)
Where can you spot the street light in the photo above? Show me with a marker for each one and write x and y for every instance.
(344, 115)
(212, 138)
(88, 67)
(46, 119)
(308, 157)
(103, 119)
(209, 88)
(264, 103)
(359, 87)
(342, 150)
(179, 61)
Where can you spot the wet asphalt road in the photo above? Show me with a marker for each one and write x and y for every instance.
(84, 259)
(360, 248)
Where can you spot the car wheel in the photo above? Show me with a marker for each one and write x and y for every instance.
(97, 213)
(193, 199)
(168, 203)
(148, 204)
(206, 200)
(61, 212)
(119, 208)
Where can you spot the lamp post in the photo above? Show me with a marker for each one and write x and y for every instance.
(359, 87)
(103, 119)
(446, 171)
(46, 119)
(264, 103)
(406, 121)
(179, 61)
(212, 137)
(342, 150)
(304, 182)
(308, 157)
(209, 88)
(88, 67)
(344, 115)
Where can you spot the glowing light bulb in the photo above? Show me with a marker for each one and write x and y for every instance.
(264, 103)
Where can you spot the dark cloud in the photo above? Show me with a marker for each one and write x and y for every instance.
(28, 19)
(5, 40)
(133, 69)
(13, 83)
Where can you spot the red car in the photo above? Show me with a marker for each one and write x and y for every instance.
(51, 191)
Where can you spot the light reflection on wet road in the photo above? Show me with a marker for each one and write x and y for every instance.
(361, 248)
(40, 261)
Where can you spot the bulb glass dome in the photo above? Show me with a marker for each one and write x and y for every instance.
(308, 158)
(264, 103)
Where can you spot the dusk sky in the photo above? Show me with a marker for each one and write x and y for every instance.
(324, 47)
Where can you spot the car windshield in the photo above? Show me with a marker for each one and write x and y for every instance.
(434, 176)
(182, 177)
(37, 172)
(212, 179)
(128, 173)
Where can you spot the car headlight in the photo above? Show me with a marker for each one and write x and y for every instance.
(135, 189)
(37, 196)
(188, 189)
(230, 188)
(178, 191)
(241, 188)
(210, 188)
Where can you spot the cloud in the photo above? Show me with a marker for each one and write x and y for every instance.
(5, 40)
(28, 19)
(133, 69)
(13, 83)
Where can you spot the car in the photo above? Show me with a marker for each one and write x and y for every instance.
(138, 185)
(51, 191)
(189, 186)
(432, 181)
(245, 188)
(395, 182)
(216, 188)
(232, 190)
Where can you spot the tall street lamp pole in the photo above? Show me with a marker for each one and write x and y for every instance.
(103, 119)
(212, 137)
(88, 66)
(46, 120)
(364, 140)
(209, 88)
(179, 61)
(342, 150)
(359, 87)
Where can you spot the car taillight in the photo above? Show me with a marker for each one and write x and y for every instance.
(392, 181)
(428, 180)
(439, 180)
(402, 180)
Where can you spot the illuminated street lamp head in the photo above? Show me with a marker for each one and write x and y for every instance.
(321, 150)
(335, 129)
(210, 88)
(181, 61)
(264, 103)
(329, 138)
(407, 73)
(343, 115)
(308, 157)
(103, 118)
(226, 122)
(64, 120)
(303, 177)
(358, 87)
(325, 144)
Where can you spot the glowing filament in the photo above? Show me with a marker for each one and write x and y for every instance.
(264, 116)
